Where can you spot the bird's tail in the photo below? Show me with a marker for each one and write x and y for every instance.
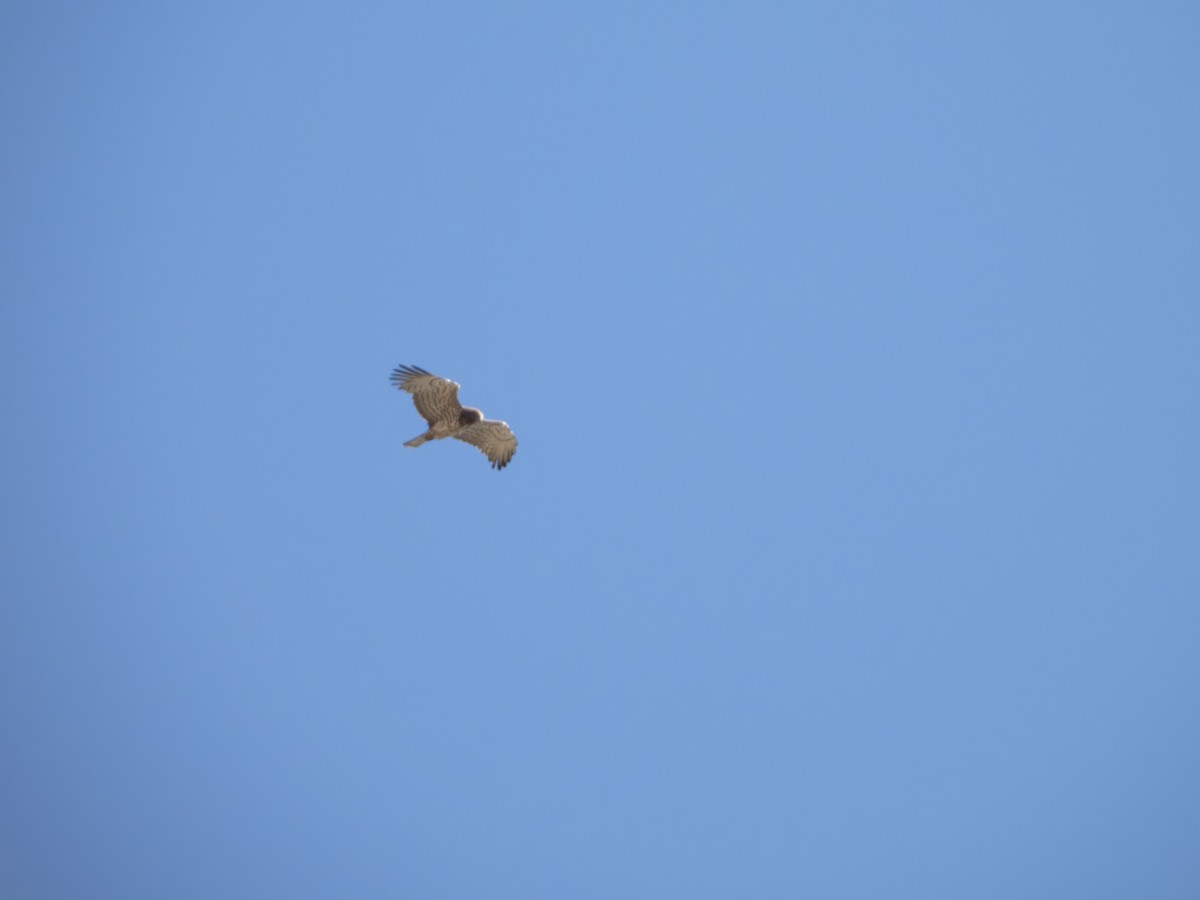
(418, 440)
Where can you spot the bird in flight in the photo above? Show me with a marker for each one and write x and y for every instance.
(436, 400)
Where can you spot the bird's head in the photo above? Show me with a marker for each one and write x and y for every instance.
(470, 415)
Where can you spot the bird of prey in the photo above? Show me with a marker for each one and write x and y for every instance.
(436, 400)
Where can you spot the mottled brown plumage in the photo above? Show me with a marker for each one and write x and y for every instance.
(436, 399)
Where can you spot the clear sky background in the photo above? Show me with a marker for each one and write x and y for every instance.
(852, 548)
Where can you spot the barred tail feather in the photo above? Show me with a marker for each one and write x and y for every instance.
(418, 440)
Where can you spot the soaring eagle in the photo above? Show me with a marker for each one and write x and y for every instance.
(436, 400)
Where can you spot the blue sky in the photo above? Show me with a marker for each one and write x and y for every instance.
(851, 548)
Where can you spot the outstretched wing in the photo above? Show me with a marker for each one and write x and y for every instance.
(494, 438)
(436, 398)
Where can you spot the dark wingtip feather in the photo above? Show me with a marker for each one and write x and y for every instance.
(402, 373)
(411, 370)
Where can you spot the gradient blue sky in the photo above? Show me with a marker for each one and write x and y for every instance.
(852, 546)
